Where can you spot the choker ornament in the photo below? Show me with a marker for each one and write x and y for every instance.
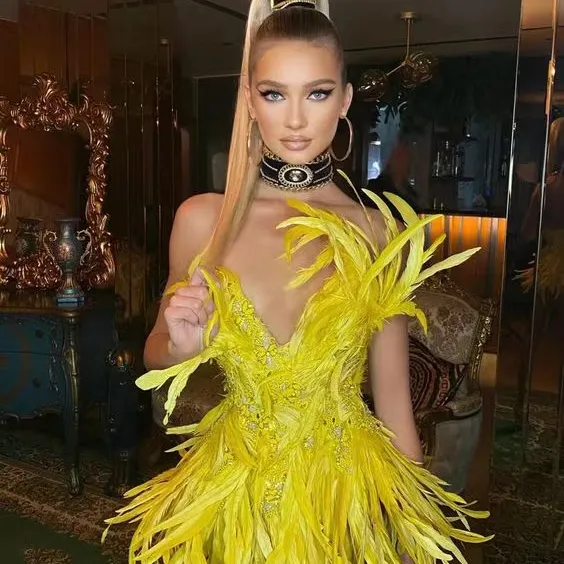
(296, 177)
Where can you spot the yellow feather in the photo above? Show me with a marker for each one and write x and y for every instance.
(446, 264)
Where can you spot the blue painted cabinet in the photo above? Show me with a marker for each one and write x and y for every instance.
(32, 378)
(54, 359)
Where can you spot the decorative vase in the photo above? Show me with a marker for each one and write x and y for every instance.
(67, 251)
(28, 235)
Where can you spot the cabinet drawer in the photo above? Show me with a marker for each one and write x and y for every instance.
(30, 384)
(30, 333)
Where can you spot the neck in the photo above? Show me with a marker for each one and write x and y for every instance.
(296, 178)
(265, 191)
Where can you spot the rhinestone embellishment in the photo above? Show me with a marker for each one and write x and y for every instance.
(295, 176)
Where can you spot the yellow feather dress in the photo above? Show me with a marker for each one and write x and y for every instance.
(550, 268)
(291, 467)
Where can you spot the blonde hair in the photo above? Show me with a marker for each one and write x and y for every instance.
(245, 151)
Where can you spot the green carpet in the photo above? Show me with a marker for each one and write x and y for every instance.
(27, 542)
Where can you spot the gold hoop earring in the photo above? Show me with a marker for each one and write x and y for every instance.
(351, 139)
(250, 135)
(250, 139)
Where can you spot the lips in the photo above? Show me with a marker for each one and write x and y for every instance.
(296, 143)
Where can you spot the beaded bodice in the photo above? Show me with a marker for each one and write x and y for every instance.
(281, 395)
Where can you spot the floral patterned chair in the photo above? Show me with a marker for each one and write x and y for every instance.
(444, 366)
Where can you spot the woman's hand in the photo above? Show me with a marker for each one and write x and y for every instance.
(187, 316)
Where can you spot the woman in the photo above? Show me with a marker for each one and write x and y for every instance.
(291, 467)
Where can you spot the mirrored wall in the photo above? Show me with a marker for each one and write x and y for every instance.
(526, 466)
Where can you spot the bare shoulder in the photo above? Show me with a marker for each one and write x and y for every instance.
(193, 226)
(196, 217)
(201, 210)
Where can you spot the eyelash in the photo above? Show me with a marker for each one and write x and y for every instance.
(267, 95)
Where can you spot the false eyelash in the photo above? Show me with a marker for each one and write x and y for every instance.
(324, 92)
(266, 93)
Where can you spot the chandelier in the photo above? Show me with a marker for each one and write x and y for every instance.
(416, 68)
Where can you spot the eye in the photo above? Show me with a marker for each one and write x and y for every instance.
(318, 95)
(272, 96)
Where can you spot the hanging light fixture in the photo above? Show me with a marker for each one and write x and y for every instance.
(416, 68)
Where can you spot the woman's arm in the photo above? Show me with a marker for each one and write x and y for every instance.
(192, 228)
(389, 378)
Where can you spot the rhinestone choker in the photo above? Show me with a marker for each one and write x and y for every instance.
(296, 178)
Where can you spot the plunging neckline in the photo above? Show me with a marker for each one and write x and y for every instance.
(305, 314)
(302, 318)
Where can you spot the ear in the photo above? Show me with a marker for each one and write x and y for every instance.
(347, 99)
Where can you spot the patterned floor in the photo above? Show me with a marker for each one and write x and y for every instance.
(526, 497)
(33, 485)
(527, 487)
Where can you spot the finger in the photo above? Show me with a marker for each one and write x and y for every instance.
(195, 316)
(200, 292)
(202, 317)
(178, 305)
(209, 306)
(198, 278)
(175, 315)
(186, 301)
(212, 274)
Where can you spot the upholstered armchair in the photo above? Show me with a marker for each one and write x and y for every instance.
(444, 379)
(449, 414)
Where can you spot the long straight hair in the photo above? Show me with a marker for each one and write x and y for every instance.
(245, 150)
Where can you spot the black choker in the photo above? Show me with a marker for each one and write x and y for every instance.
(296, 178)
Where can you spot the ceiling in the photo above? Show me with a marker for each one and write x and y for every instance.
(209, 34)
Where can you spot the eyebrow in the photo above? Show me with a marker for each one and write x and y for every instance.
(274, 84)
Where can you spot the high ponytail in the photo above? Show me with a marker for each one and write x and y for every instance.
(242, 165)
(245, 149)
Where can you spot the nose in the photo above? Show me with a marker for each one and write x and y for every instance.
(295, 115)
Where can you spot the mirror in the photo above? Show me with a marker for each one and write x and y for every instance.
(53, 157)
(40, 192)
(526, 462)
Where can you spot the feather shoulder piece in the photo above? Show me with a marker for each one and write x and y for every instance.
(380, 278)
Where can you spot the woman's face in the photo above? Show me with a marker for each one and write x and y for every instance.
(296, 94)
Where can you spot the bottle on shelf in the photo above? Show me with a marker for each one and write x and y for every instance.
(442, 164)
(458, 161)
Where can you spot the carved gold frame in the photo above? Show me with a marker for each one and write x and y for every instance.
(47, 107)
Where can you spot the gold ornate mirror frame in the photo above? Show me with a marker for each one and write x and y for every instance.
(48, 108)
